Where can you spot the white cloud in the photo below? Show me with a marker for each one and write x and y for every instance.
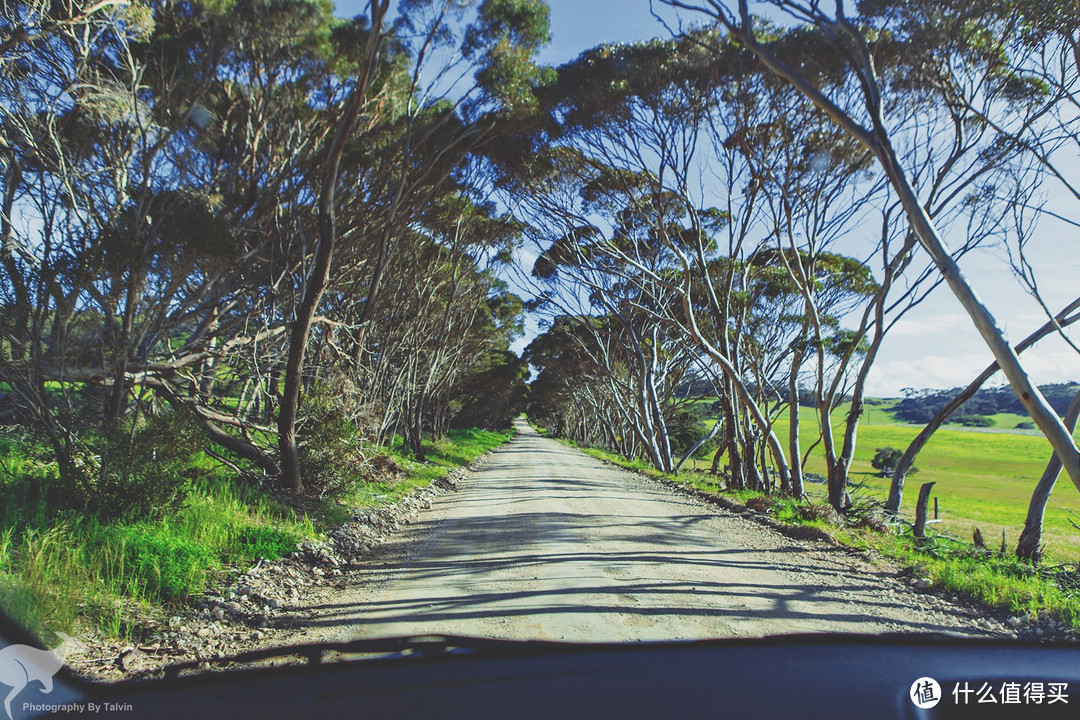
(915, 327)
(887, 378)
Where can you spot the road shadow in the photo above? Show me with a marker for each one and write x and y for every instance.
(543, 530)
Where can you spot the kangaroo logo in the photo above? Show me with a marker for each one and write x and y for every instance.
(21, 665)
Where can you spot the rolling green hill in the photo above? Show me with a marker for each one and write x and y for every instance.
(984, 476)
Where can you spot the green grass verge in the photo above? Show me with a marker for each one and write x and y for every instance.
(69, 572)
(79, 571)
(998, 582)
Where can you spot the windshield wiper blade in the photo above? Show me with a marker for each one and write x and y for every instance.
(403, 646)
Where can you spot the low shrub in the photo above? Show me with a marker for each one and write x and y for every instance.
(760, 503)
(820, 512)
(329, 442)
(146, 471)
(975, 421)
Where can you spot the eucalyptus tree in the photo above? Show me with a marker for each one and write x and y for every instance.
(1037, 48)
(259, 65)
(626, 136)
(816, 195)
(92, 283)
(166, 168)
(26, 24)
(623, 312)
(901, 98)
(441, 310)
(464, 311)
(155, 224)
(494, 391)
(500, 43)
(317, 278)
(572, 396)
(692, 146)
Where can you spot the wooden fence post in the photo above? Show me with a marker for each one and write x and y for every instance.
(920, 510)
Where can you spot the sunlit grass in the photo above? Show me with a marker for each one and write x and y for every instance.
(983, 479)
(65, 572)
(457, 449)
(984, 476)
(78, 570)
(1001, 582)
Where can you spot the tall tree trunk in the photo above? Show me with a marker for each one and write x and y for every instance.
(320, 274)
(733, 443)
(1030, 539)
(206, 373)
(415, 429)
(836, 469)
(714, 468)
(20, 306)
(794, 447)
(1031, 398)
(754, 480)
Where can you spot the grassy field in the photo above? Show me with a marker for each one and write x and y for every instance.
(984, 477)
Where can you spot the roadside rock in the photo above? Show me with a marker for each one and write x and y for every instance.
(133, 660)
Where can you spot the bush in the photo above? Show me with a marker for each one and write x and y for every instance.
(132, 472)
(32, 495)
(328, 441)
(685, 429)
(869, 515)
(821, 513)
(886, 459)
(760, 503)
(150, 474)
(975, 421)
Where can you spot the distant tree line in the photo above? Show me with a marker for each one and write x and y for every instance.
(920, 406)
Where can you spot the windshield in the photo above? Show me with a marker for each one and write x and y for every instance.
(596, 321)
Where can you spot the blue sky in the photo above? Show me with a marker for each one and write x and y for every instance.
(936, 345)
(577, 25)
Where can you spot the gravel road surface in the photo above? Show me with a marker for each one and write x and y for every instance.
(545, 542)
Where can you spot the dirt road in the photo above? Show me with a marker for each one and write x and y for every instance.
(545, 542)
